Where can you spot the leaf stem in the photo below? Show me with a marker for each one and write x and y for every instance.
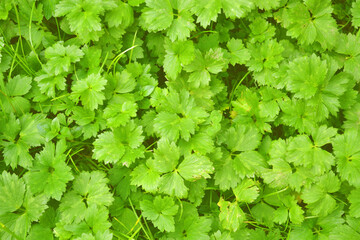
(149, 236)
(274, 193)
(30, 39)
(202, 32)
(133, 44)
(234, 89)
(117, 58)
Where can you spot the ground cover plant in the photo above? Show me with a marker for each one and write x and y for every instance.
(179, 119)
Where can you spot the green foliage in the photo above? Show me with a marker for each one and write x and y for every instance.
(160, 212)
(50, 173)
(179, 119)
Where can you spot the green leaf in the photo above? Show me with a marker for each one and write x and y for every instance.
(18, 86)
(183, 24)
(296, 214)
(13, 90)
(266, 55)
(346, 231)
(355, 12)
(238, 53)
(347, 154)
(5, 7)
(60, 58)
(83, 16)
(190, 225)
(242, 138)
(50, 173)
(351, 115)
(279, 175)
(301, 151)
(161, 212)
(236, 9)
(261, 30)
(125, 82)
(177, 55)
(122, 15)
(199, 142)
(166, 157)
(281, 215)
(301, 232)
(49, 83)
(354, 199)
(86, 119)
(312, 21)
(248, 163)
(39, 232)
(247, 191)
(207, 11)
(171, 126)
(146, 177)
(267, 5)
(173, 184)
(12, 192)
(306, 75)
(19, 208)
(119, 144)
(119, 111)
(296, 114)
(2, 44)
(197, 191)
(318, 197)
(89, 190)
(225, 174)
(263, 213)
(19, 135)
(323, 135)
(231, 215)
(194, 167)
(108, 148)
(97, 219)
(157, 16)
(201, 67)
(348, 46)
(89, 90)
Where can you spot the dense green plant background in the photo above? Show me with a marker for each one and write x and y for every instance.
(179, 119)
